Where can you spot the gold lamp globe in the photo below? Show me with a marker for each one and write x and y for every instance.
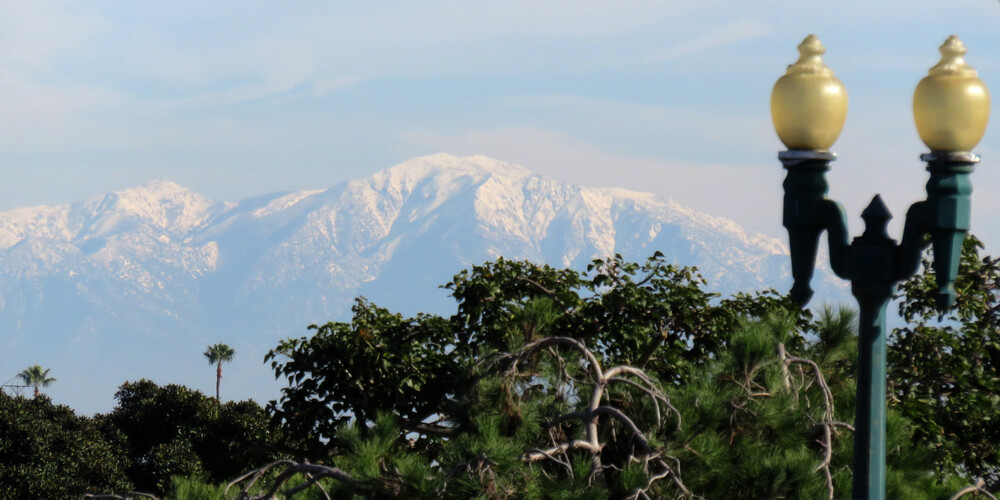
(951, 105)
(808, 103)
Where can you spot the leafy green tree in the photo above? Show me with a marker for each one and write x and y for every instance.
(36, 377)
(760, 419)
(46, 451)
(153, 435)
(378, 363)
(945, 368)
(653, 315)
(737, 397)
(175, 431)
(218, 354)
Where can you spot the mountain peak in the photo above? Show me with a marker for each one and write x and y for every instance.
(443, 164)
(161, 203)
(159, 190)
(162, 184)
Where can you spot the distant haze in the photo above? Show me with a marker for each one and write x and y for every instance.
(136, 283)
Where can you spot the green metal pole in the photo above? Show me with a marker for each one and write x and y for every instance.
(872, 283)
(869, 421)
(874, 263)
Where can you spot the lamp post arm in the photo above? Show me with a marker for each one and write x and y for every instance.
(805, 205)
(910, 249)
(835, 222)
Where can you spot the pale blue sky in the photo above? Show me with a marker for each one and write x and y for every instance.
(235, 99)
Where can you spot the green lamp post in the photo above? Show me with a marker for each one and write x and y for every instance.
(808, 106)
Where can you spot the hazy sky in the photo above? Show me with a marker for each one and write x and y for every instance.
(235, 99)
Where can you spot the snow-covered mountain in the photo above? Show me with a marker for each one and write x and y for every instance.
(136, 282)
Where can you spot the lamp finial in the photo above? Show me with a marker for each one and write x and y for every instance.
(810, 61)
(952, 61)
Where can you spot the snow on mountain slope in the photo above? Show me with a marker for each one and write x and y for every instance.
(159, 268)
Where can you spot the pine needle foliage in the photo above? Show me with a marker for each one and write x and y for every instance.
(627, 381)
(707, 397)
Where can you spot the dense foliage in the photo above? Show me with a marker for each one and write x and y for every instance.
(653, 316)
(153, 433)
(715, 402)
(945, 368)
(47, 451)
(175, 431)
(622, 381)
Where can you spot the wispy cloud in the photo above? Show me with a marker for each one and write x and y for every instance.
(728, 130)
(729, 33)
(326, 85)
(33, 34)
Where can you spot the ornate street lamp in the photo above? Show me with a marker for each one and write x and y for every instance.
(808, 105)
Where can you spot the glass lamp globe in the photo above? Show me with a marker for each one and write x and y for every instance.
(951, 105)
(809, 103)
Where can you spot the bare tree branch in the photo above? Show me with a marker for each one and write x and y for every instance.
(828, 424)
(314, 472)
(657, 468)
(128, 496)
(428, 428)
(577, 444)
(537, 285)
(530, 349)
(827, 394)
(977, 489)
(647, 353)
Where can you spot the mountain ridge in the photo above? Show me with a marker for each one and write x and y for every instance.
(159, 265)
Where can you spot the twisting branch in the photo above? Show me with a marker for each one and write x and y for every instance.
(313, 472)
(828, 425)
(537, 285)
(431, 429)
(647, 385)
(477, 464)
(820, 379)
(786, 376)
(656, 464)
(311, 480)
(513, 360)
(535, 455)
(976, 489)
(654, 344)
(479, 467)
(128, 496)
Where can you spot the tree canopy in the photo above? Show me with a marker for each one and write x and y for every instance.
(154, 433)
(624, 380)
(745, 396)
(47, 451)
(655, 316)
(945, 367)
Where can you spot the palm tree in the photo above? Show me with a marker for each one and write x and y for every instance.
(218, 354)
(36, 377)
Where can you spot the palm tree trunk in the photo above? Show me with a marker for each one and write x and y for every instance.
(218, 379)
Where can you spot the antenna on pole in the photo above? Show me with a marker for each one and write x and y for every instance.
(16, 389)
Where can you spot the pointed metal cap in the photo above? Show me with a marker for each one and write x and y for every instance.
(876, 217)
(876, 210)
